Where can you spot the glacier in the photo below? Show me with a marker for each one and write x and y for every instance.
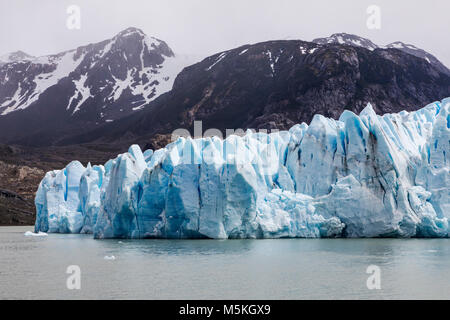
(363, 175)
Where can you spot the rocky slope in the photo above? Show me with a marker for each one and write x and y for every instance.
(17, 190)
(22, 168)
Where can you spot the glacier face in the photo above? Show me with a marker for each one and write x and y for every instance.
(360, 176)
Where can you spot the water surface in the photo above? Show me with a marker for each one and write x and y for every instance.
(35, 268)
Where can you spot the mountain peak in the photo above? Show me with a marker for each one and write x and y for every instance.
(131, 31)
(126, 37)
(15, 56)
(347, 39)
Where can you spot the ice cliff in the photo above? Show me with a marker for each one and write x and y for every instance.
(360, 176)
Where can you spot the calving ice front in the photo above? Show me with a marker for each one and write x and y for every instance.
(360, 176)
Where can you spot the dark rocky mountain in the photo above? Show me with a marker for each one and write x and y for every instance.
(348, 39)
(411, 49)
(276, 84)
(74, 91)
(354, 40)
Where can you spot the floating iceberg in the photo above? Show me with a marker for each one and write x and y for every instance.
(32, 234)
(359, 176)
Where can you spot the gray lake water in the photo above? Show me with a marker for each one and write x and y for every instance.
(35, 268)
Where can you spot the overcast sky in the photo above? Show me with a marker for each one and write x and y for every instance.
(205, 27)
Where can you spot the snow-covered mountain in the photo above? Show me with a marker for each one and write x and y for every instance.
(354, 40)
(99, 82)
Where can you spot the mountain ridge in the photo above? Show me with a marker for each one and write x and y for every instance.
(289, 82)
(272, 84)
(354, 40)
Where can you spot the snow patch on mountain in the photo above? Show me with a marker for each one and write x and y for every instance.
(82, 93)
(243, 51)
(268, 53)
(219, 58)
(164, 77)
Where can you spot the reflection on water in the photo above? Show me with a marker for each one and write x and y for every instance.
(179, 247)
(33, 268)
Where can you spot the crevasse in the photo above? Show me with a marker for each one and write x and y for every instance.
(360, 176)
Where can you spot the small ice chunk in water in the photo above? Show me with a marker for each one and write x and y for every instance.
(32, 234)
(110, 258)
